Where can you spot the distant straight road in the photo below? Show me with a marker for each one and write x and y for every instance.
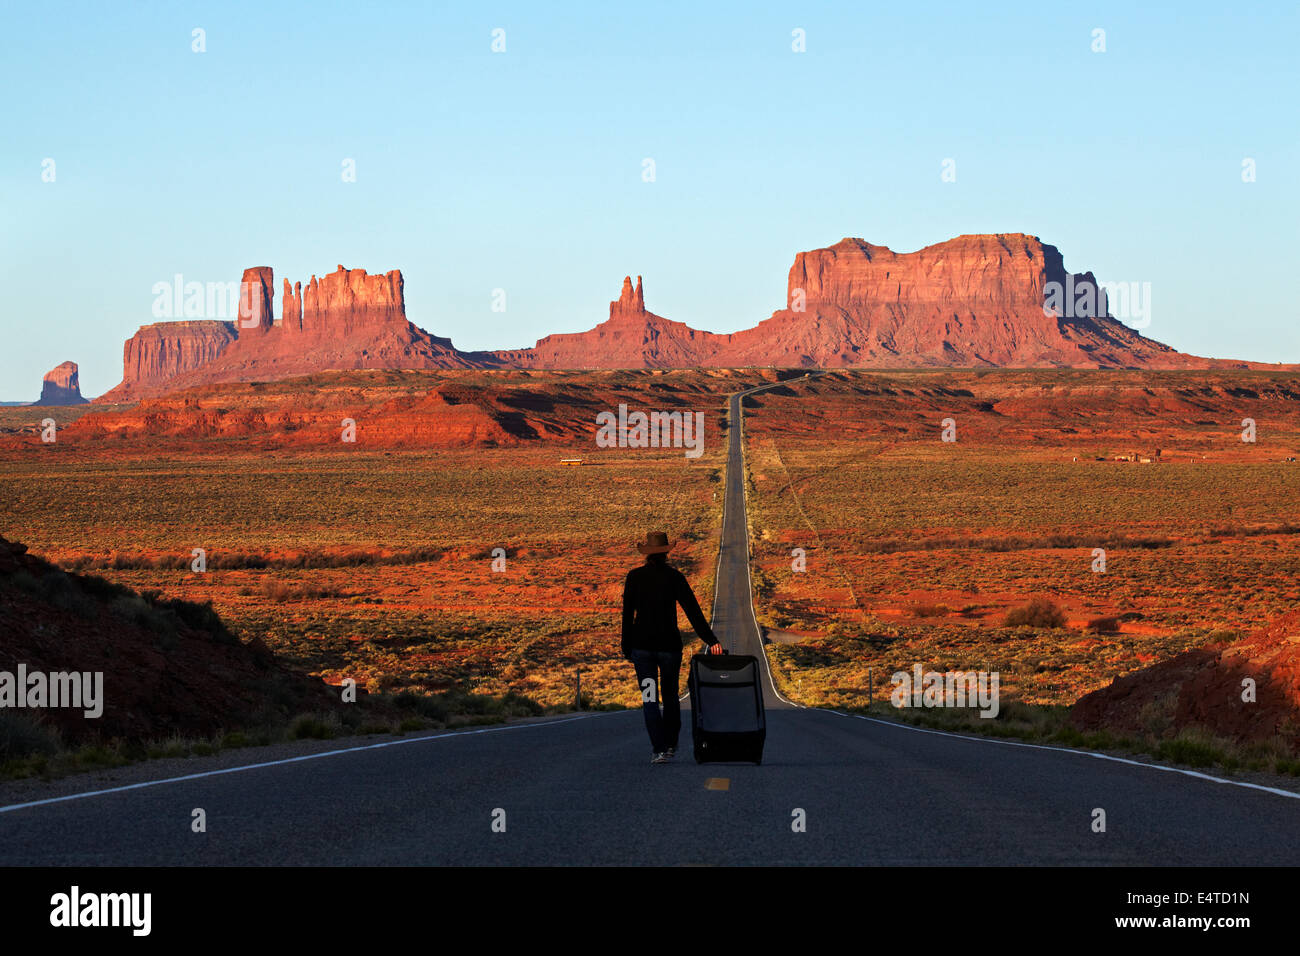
(733, 607)
(581, 790)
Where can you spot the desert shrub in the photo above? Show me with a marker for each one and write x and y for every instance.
(458, 702)
(62, 592)
(1104, 625)
(1039, 612)
(432, 706)
(98, 755)
(22, 735)
(1156, 716)
(1191, 749)
(516, 705)
(929, 610)
(287, 591)
(314, 727)
(202, 617)
(1222, 636)
(101, 588)
(1069, 736)
(199, 617)
(139, 611)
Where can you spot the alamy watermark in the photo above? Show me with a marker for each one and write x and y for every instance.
(83, 690)
(1129, 302)
(947, 689)
(178, 299)
(651, 430)
(76, 908)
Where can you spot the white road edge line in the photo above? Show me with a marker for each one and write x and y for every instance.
(405, 740)
(1291, 794)
(288, 760)
(749, 577)
(461, 733)
(766, 669)
(739, 426)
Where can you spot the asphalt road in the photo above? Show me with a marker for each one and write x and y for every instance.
(580, 790)
(733, 610)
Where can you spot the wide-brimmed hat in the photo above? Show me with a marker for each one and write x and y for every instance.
(656, 542)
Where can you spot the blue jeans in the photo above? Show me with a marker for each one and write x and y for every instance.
(664, 669)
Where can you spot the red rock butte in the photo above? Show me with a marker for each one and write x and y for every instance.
(346, 320)
(630, 338)
(973, 301)
(61, 386)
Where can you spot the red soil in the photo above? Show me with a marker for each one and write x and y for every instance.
(392, 409)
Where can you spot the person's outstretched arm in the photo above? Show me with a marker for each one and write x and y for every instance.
(686, 598)
(628, 616)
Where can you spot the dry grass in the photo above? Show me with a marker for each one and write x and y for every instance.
(379, 566)
(923, 552)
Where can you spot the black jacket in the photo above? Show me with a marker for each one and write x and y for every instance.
(650, 598)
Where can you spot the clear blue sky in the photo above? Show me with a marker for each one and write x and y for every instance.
(522, 170)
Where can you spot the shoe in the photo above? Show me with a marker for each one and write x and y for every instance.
(659, 758)
(671, 752)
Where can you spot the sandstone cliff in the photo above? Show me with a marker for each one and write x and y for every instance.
(630, 338)
(159, 352)
(348, 301)
(970, 301)
(255, 290)
(973, 301)
(345, 320)
(291, 307)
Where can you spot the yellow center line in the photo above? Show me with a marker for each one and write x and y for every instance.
(717, 783)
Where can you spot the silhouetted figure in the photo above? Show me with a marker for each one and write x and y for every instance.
(653, 643)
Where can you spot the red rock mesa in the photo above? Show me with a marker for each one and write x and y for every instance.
(973, 301)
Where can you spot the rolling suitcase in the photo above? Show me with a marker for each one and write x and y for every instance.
(727, 720)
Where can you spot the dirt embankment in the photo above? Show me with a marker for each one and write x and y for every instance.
(167, 666)
(1247, 691)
